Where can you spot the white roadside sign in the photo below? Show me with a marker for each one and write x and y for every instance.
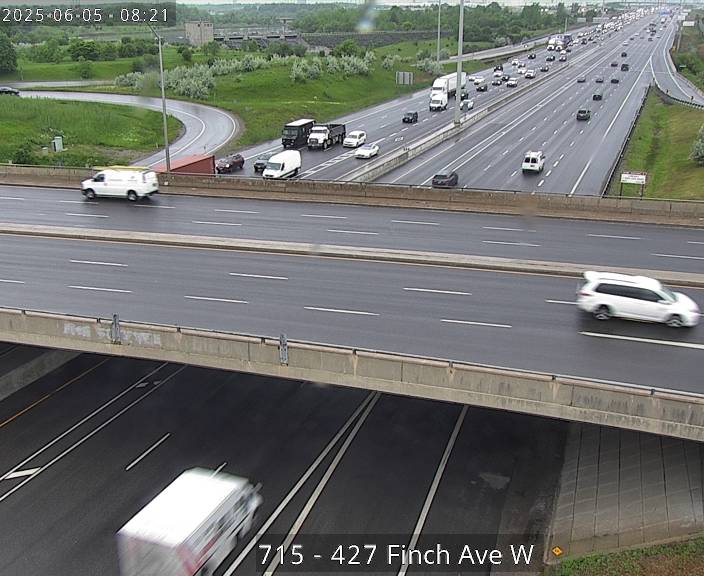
(688, 23)
(633, 178)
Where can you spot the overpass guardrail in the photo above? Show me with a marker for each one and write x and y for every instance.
(655, 410)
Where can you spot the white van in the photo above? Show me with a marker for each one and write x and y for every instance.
(283, 165)
(130, 183)
(438, 102)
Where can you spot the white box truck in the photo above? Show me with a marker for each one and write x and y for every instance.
(448, 84)
(190, 527)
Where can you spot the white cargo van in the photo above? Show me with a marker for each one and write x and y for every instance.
(438, 102)
(130, 183)
(283, 165)
(190, 527)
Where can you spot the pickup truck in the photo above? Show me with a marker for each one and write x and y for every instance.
(324, 135)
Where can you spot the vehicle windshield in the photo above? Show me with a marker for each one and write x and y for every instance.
(290, 131)
(273, 165)
(318, 130)
(669, 294)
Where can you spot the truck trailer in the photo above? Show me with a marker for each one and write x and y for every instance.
(448, 84)
(190, 527)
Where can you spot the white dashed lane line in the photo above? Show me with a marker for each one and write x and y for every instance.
(98, 263)
(418, 222)
(341, 311)
(436, 291)
(614, 237)
(471, 323)
(336, 231)
(212, 299)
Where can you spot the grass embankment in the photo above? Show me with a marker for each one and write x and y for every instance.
(93, 134)
(689, 59)
(661, 145)
(680, 559)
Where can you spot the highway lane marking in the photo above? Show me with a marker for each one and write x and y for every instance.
(219, 468)
(213, 299)
(691, 345)
(98, 289)
(310, 503)
(509, 243)
(89, 202)
(50, 394)
(231, 211)
(419, 222)
(21, 473)
(162, 206)
(117, 264)
(147, 452)
(450, 321)
(263, 276)
(679, 256)
(694, 242)
(614, 237)
(11, 198)
(514, 173)
(371, 398)
(503, 229)
(341, 311)
(561, 157)
(323, 216)
(560, 302)
(541, 182)
(211, 223)
(7, 281)
(434, 291)
(556, 163)
(571, 143)
(582, 130)
(86, 215)
(337, 231)
(87, 436)
(425, 510)
(548, 174)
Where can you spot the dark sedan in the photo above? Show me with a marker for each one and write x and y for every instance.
(545, 68)
(584, 114)
(614, 80)
(260, 162)
(410, 117)
(7, 91)
(229, 164)
(445, 180)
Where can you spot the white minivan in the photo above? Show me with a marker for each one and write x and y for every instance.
(130, 183)
(283, 165)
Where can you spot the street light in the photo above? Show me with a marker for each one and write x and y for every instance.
(460, 52)
(163, 101)
(439, 4)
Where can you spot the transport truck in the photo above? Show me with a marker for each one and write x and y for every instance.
(324, 135)
(448, 84)
(295, 134)
(190, 527)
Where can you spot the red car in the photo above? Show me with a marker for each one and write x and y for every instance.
(229, 164)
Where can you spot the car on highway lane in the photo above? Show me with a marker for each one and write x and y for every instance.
(483, 87)
(355, 139)
(229, 164)
(367, 151)
(499, 68)
(584, 114)
(505, 78)
(625, 67)
(533, 161)
(496, 82)
(650, 38)
(599, 79)
(563, 58)
(614, 80)
(531, 56)
(545, 68)
(581, 79)
(512, 82)
(530, 74)
(260, 162)
(624, 54)
(614, 64)
(597, 96)
(410, 117)
(445, 180)
(521, 64)
(498, 73)
(563, 52)
(8, 91)
(609, 295)
(467, 105)
(478, 80)
(514, 62)
(550, 58)
(521, 71)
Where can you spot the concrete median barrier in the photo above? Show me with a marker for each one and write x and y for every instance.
(653, 410)
(491, 263)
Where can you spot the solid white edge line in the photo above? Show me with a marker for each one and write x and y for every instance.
(230, 211)
(614, 237)
(211, 299)
(211, 223)
(263, 276)
(415, 222)
(340, 311)
(117, 264)
(560, 302)
(510, 243)
(679, 256)
(470, 323)
(434, 486)
(300, 519)
(692, 345)
(301, 482)
(323, 216)
(353, 232)
(148, 451)
(86, 215)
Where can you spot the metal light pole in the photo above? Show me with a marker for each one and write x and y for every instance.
(163, 102)
(460, 53)
(439, 4)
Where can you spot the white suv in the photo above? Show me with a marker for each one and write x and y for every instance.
(609, 295)
(533, 162)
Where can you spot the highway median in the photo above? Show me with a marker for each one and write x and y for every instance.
(411, 257)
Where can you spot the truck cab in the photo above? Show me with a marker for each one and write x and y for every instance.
(438, 102)
(295, 134)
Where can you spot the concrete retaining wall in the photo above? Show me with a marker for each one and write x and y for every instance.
(647, 410)
(25, 374)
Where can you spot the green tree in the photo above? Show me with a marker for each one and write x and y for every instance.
(698, 148)
(8, 56)
(186, 53)
(590, 15)
(347, 48)
(85, 69)
(211, 49)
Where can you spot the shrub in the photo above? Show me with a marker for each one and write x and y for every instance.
(698, 148)
(423, 54)
(85, 70)
(24, 154)
(430, 67)
(137, 65)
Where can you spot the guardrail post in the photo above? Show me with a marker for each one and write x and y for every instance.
(283, 349)
(115, 336)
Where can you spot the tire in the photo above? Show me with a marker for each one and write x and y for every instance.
(132, 196)
(90, 194)
(295, 173)
(602, 313)
(675, 321)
